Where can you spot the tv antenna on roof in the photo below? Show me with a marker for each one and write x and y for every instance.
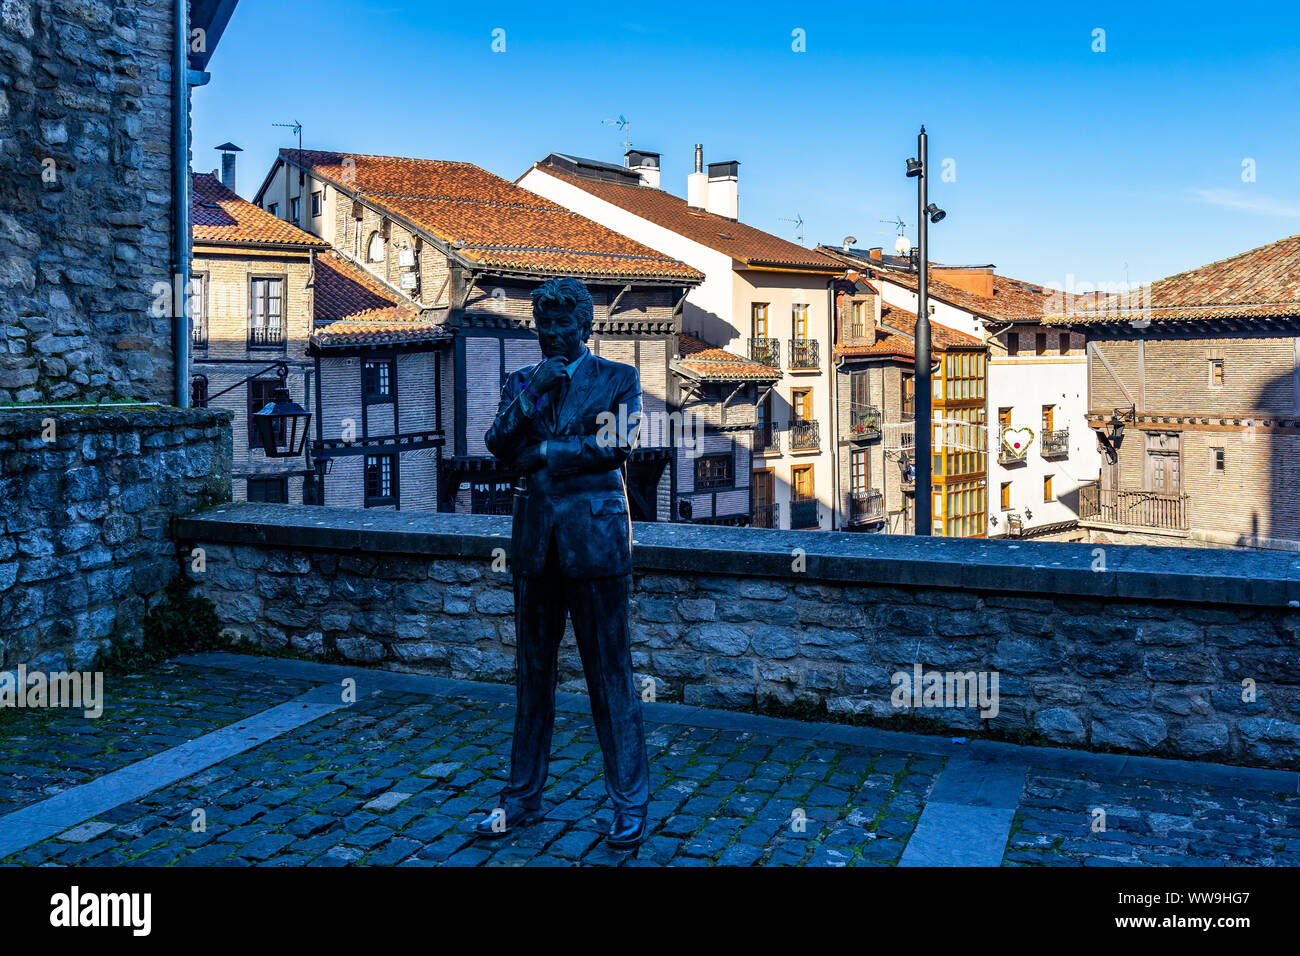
(897, 221)
(296, 127)
(798, 225)
(624, 125)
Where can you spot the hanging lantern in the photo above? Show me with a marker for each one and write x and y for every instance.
(282, 424)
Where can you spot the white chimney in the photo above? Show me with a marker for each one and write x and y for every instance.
(724, 189)
(697, 183)
(645, 165)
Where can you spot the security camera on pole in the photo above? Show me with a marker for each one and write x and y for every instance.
(925, 214)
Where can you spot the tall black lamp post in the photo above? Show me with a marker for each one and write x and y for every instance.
(926, 212)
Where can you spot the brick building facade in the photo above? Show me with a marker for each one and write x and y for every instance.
(1194, 386)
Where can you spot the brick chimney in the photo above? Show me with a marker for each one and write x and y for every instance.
(977, 280)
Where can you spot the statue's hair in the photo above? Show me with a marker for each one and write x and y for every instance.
(565, 295)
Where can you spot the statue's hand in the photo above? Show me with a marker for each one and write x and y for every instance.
(531, 459)
(547, 375)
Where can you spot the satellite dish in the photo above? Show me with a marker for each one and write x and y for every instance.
(903, 246)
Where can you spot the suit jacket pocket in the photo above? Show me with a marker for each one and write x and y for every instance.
(609, 505)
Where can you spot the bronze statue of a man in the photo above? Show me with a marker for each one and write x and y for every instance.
(567, 424)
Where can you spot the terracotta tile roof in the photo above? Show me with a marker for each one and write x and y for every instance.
(1012, 299)
(352, 307)
(220, 215)
(699, 359)
(895, 337)
(1262, 283)
(751, 246)
(488, 221)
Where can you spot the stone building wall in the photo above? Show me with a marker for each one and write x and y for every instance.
(85, 199)
(1180, 653)
(85, 507)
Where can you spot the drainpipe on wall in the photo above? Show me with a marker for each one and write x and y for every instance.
(181, 200)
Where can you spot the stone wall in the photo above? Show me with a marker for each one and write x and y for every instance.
(86, 501)
(85, 199)
(1135, 649)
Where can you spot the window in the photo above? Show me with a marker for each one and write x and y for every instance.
(959, 509)
(295, 209)
(1048, 417)
(199, 391)
(1006, 496)
(799, 317)
(859, 392)
(197, 306)
(1216, 373)
(1004, 418)
(381, 475)
(715, 471)
(1218, 460)
(271, 488)
(803, 504)
(1013, 343)
(260, 392)
(1065, 343)
(491, 497)
(1164, 462)
(963, 378)
(1040, 343)
(274, 209)
(1047, 488)
(375, 249)
(858, 472)
(801, 401)
(266, 310)
(377, 376)
(315, 203)
(861, 316)
(758, 320)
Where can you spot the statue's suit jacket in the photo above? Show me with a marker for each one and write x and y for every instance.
(578, 496)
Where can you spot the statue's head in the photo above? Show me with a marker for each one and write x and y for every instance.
(562, 312)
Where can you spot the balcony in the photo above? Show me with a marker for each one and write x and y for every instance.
(866, 506)
(766, 516)
(805, 436)
(265, 336)
(803, 513)
(1055, 444)
(1135, 509)
(864, 422)
(804, 353)
(1008, 457)
(765, 351)
(766, 439)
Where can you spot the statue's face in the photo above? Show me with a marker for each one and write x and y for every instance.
(559, 333)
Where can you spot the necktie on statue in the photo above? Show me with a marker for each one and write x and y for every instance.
(557, 396)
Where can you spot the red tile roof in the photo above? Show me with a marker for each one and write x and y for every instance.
(219, 215)
(701, 360)
(751, 246)
(895, 337)
(1012, 299)
(352, 307)
(488, 221)
(1260, 283)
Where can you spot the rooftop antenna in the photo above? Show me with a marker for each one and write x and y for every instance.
(625, 126)
(798, 224)
(296, 127)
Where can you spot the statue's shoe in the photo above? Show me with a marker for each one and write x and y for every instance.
(627, 829)
(503, 819)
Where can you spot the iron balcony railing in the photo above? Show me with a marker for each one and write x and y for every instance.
(1007, 456)
(264, 335)
(866, 506)
(765, 351)
(804, 436)
(1055, 444)
(1138, 509)
(803, 513)
(766, 516)
(864, 422)
(767, 438)
(804, 353)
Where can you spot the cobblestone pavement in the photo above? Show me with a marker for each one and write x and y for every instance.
(399, 778)
(1072, 819)
(44, 752)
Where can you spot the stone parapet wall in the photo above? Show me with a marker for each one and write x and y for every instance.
(1135, 649)
(86, 502)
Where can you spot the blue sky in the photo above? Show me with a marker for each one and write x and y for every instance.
(1108, 166)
